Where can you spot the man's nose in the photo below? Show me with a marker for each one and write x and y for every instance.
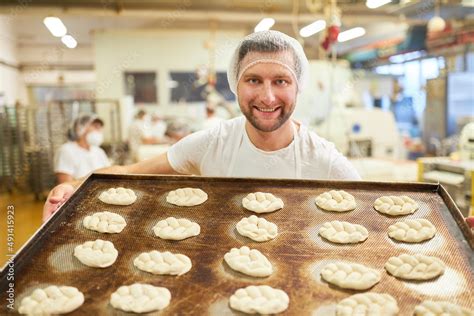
(267, 94)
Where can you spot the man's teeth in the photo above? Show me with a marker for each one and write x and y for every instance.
(266, 110)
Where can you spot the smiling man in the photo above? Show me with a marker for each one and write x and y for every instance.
(267, 71)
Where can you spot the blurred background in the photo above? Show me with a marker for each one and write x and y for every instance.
(391, 83)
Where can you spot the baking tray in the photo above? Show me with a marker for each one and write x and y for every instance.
(297, 254)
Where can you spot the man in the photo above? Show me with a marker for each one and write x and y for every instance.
(82, 154)
(139, 133)
(212, 119)
(267, 71)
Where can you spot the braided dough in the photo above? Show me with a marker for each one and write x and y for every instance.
(186, 197)
(118, 196)
(105, 222)
(367, 304)
(431, 308)
(260, 202)
(343, 232)
(257, 228)
(336, 201)
(163, 263)
(414, 267)
(412, 230)
(248, 261)
(395, 205)
(261, 299)
(51, 300)
(350, 275)
(176, 229)
(97, 254)
(140, 298)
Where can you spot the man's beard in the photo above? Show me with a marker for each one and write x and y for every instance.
(259, 124)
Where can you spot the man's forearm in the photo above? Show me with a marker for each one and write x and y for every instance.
(156, 165)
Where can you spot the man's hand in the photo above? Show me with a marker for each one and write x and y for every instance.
(470, 221)
(57, 197)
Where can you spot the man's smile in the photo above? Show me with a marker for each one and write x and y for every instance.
(266, 109)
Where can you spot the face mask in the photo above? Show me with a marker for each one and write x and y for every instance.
(95, 138)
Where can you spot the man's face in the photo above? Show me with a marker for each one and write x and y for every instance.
(267, 93)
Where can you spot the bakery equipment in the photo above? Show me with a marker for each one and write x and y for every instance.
(456, 174)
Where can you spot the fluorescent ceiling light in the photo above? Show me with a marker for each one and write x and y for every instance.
(396, 59)
(55, 26)
(372, 4)
(69, 41)
(406, 57)
(313, 28)
(264, 25)
(351, 34)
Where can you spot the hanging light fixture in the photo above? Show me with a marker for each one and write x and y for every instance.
(436, 23)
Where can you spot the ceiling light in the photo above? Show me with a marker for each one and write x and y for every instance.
(69, 41)
(372, 4)
(351, 34)
(396, 59)
(313, 28)
(264, 25)
(55, 26)
(436, 24)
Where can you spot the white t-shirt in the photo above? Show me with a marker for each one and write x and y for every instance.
(78, 162)
(136, 132)
(226, 150)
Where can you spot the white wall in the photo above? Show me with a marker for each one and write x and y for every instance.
(40, 64)
(156, 50)
(55, 54)
(10, 85)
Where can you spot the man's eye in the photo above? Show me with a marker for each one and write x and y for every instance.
(281, 82)
(252, 80)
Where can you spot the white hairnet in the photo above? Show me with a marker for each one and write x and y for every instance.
(80, 124)
(271, 43)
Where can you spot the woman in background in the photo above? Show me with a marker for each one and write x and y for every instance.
(81, 154)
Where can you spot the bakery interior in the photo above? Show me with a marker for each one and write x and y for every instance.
(391, 84)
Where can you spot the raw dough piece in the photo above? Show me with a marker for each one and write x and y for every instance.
(249, 261)
(343, 232)
(51, 300)
(350, 275)
(395, 205)
(187, 197)
(105, 222)
(367, 304)
(336, 201)
(412, 230)
(97, 254)
(260, 202)
(118, 196)
(261, 299)
(415, 267)
(140, 298)
(257, 228)
(440, 308)
(176, 229)
(163, 263)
